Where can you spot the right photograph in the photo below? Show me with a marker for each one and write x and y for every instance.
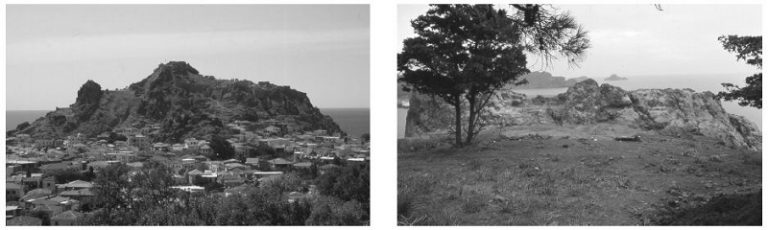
(538, 114)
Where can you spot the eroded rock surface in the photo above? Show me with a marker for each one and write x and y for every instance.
(668, 111)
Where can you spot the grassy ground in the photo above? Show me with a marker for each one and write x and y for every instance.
(535, 180)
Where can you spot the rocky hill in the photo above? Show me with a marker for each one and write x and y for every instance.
(587, 104)
(177, 102)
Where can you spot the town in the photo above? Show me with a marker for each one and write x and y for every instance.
(57, 181)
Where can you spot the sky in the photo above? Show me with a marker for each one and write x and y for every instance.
(51, 50)
(638, 40)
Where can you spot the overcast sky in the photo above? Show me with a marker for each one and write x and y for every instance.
(638, 40)
(52, 50)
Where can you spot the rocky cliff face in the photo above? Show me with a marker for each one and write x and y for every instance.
(668, 111)
(181, 103)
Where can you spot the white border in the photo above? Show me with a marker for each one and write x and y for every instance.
(384, 47)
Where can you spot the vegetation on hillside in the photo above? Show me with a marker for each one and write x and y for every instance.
(145, 197)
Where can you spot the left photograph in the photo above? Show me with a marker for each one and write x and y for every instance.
(187, 115)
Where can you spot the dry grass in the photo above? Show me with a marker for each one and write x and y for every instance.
(562, 181)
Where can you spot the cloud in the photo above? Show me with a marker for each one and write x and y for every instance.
(100, 47)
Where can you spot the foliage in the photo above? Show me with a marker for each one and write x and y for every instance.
(332, 211)
(222, 149)
(550, 33)
(62, 176)
(464, 53)
(43, 215)
(116, 137)
(281, 184)
(749, 49)
(366, 137)
(144, 197)
(261, 150)
(351, 182)
(117, 187)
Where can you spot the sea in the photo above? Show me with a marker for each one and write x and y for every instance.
(699, 83)
(353, 121)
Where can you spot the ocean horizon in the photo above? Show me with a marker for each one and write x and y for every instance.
(353, 121)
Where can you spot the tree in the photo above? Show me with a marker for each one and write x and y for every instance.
(366, 137)
(749, 49)
(116, 137)
(222, 149)
(351, 182)
(464, 53)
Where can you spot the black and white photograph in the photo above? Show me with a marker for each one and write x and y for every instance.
(187, 114)
(550, 114)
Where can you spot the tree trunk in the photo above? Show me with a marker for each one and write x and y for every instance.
(471, 121)
(457, 106)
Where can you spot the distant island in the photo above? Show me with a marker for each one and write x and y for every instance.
(545, 80)
(615, 77)
(533, 80)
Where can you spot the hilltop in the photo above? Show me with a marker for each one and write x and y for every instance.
(175, 101)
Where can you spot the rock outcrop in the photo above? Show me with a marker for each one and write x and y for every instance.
(177, 102)
(667, 111)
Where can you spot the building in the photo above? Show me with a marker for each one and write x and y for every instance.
(280, 164)
(231, 180)
(139, 141)
(77, 185)
(23, 165)
(205, 149)
(190, 189)
(177, 147)
(11, 211)
(303, 165)
(162, 147)
(191, 143)
(80, 194)
(13, 191)
(66, 218)
(123, 156)
(192, 175)
(24, 221)
(252, 161)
